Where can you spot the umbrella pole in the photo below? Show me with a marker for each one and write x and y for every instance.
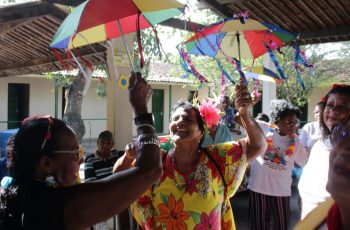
(126, 46)
(239, 46)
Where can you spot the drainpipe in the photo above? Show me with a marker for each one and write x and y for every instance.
(56, 99)
(170, 95)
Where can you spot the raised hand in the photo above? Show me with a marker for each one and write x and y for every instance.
(243, 100)
(139, 93)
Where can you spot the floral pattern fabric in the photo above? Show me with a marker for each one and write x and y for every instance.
(198, 200)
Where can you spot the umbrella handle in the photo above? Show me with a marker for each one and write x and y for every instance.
(126, 46)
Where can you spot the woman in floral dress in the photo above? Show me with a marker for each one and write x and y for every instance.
(194, 190)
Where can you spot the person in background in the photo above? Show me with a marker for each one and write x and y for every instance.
(270, 173)
(99, 165)
(313, 180)
(334, 212)
(197, 182)
(263, 117)
(43, 162)
(215, 133)
(228, 118)
(311, 132)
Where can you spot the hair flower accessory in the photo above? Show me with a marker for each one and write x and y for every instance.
(209, 112)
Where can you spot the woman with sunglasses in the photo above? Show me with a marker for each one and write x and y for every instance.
(334, 212)
(336, 109)
(271, 172)
(44, 159)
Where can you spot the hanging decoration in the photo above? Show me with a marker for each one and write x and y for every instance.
(101, 87)
(123, 82)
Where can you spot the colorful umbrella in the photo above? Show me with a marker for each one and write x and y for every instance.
(262, 73)
(99, 20)
(225, 39)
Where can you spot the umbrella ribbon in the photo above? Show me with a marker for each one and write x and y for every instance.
(301, 58)
(274, 60)
(138, 35)
(224, 72)
(185, 60)
(236, 63)
(86, 62)
(300, 80)
(256, 88)
(222, 83)
(59, 58)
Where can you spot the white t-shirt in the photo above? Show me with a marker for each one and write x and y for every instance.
(272, 175)
(313, 180)
(309, 134)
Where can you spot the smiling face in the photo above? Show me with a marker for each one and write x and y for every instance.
(288, 124)
(339, 170)
(65, 166)
(337, 109)
(184, 128)
(317, 112)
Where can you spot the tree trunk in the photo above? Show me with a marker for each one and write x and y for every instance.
(74, 100)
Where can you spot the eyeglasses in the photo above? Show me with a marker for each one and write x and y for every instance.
(75, 154)
(338, 108)
(291, 123)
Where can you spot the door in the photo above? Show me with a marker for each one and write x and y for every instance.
(18, 104)
(157, 109)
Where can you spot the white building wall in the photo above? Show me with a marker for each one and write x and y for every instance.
(42, 101)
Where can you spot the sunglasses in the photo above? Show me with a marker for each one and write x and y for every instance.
(291, 123)
(75, 154)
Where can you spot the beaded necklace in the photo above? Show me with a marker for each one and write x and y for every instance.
(276, 155)
(190, 181)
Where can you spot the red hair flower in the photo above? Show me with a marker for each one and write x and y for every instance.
(210, 113)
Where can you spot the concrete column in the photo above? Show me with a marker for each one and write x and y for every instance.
(269, 88)
(119, 113)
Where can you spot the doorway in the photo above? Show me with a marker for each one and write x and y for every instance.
(17, 104)
(157, 109)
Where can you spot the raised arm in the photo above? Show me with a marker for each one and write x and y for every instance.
(90, 203)
(256, 142)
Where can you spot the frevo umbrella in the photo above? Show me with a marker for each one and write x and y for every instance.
(99, 20)
(235, 37)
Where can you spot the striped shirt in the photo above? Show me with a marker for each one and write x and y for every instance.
(97, 168)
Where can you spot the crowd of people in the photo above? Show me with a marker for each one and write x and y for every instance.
(189, 184)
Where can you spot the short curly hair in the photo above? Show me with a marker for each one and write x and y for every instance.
(281, 108)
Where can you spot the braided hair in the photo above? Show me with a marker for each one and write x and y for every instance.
(35, 138)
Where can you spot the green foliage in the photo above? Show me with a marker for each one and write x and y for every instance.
(290, 89)
(61, 79)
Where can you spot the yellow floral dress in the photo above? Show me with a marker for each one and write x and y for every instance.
(198, 200)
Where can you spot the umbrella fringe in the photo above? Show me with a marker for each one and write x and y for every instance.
(228, 77)
(275, 62)
(139, 43)
(60, 59)
(186, 62)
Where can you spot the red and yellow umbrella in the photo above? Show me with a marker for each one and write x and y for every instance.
(99, 20)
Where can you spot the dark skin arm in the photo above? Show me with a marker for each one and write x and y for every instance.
(256, 142)
(90, 203)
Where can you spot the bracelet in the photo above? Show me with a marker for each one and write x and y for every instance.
(146, 118)
(144, 125)
(147, 139)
